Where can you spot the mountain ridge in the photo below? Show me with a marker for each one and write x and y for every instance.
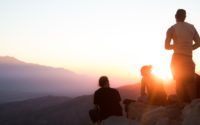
(64, 111)
(9, 59)
(18, 76)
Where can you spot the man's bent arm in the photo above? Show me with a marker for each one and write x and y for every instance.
(168, 45)
(196, 41)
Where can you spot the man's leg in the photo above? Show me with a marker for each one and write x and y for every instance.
(180, 91)
(191, 89)
(190, 84)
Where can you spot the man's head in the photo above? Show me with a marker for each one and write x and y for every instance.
(180, 15)
(103, 81)
(146, 70)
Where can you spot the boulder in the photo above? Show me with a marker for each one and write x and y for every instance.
(119, 120)
(191, 113)
(137, 109)
(172, 99)
(163, 121)
(153, 116)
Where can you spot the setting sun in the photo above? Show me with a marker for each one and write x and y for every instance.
(163, 72)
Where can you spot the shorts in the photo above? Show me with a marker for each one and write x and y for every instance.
(182, 67)
(183, 70)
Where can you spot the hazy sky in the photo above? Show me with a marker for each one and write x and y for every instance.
(111, 37)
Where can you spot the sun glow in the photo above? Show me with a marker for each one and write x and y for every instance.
(161, 72)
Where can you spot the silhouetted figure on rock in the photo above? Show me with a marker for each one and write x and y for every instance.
(107, 100)
(152, 87)
(183, 68)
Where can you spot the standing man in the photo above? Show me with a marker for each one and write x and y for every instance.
(183, 68)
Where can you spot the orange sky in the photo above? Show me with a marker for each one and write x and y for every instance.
(113, 38)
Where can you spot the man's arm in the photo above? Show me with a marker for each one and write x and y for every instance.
(196, 41)
(96, 101)
(142, 89)
(118, 97)
(95, 98)
(168, 45)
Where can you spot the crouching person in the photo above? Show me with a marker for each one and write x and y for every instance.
(154, 87)
(106, 101)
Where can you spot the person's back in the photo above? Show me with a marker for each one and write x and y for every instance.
(107, 100)
(185, 40)
(183, 36)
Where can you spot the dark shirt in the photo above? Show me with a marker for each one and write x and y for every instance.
(108, 100)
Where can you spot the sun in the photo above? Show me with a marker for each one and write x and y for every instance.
(163, 72)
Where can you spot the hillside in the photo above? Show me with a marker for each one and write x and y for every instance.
(54, 110)
(18, 77)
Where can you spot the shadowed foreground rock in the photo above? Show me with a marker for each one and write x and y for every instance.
(119, 120)
(191, 113)
(165, 115)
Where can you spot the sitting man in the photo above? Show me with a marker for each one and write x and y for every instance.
(154, 86)
(107, 100)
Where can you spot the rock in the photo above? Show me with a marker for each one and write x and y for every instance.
(172, 99)
(173, 112)
(163, 121)
(143, 99)
(154, 115)
(119, 120)
(191, 113)
(137, 109)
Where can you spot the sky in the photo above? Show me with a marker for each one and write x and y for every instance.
(94, 37)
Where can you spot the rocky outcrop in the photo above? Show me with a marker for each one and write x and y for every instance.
(171, 114)
(151, 117)
(191, 113)
(119, 120)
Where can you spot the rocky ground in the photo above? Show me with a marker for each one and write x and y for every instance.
(143, 114)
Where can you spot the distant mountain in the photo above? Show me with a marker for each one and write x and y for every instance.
(10, 60)
(9, 96)
(20, 77)
(55, 110)
(131, 91)
(28, 111)
(33, 104)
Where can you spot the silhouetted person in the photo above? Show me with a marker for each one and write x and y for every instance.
(183, 68)
(107, 100)
(197, 80)
(152, 87)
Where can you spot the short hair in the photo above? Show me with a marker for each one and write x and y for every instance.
(146, 68)
(180, 14)
(103, 80)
